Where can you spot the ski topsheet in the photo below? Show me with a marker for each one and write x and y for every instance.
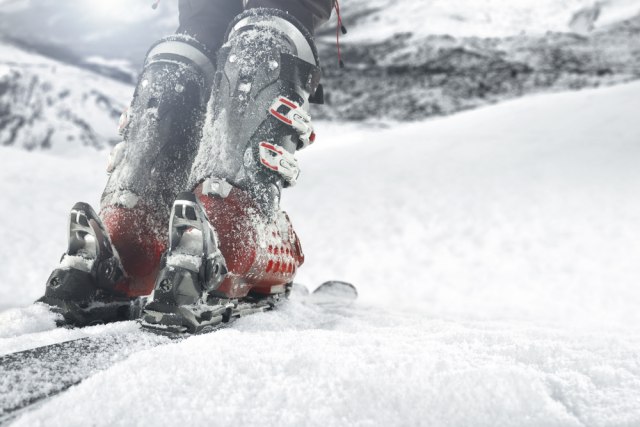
(30, 377)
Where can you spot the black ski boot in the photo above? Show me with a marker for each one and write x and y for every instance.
(268, 74)
(83, 289)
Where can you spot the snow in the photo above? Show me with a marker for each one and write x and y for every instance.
(497, 261)
(523, 210)
(46, 99)
(377, 20)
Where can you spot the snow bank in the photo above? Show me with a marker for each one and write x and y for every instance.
(363, 367)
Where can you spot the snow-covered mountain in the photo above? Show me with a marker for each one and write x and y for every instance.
(379, 20)
(77, 29)
(418, 72)
(404, 60)
(46, 104)
(495, 250)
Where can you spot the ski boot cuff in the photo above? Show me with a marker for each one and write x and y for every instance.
(278, 20)
(185, 49)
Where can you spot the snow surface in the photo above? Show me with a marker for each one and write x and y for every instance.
(496, 255)
(44, 99)
(377, 20)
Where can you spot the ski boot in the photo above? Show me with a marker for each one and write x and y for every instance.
(161, 131)
(83, 289)
(195, 290)
(268, 73)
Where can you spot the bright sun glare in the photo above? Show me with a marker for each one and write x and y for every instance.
(118, 10)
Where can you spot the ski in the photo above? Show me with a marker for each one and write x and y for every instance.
(31, 377)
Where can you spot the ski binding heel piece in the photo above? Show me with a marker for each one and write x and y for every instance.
(82, 288)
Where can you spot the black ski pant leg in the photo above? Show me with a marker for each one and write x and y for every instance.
(207, 20)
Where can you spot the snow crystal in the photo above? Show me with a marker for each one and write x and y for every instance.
(188, 261)
(77, 262)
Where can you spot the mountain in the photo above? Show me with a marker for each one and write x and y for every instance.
(47, 104)
(404, 60)
(409, 75)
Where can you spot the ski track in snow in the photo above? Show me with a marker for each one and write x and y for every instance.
(496, 256)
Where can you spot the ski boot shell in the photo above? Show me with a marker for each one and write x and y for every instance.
(162, 131)
(267, 72)
(224, 260)
(263, 253)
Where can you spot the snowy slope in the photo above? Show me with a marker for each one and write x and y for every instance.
(496, 253)
(113, 29)
(45, 104)
(527, 209)
(377, 20)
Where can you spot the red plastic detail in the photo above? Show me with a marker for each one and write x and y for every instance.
(271, 147)
(288, 103)
(270, 166)
(312, 137)
(252, 267)
(140, 239)
(281, 117)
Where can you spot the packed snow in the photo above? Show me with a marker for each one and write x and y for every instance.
(495, 252)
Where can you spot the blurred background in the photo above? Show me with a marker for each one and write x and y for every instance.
(405, 60)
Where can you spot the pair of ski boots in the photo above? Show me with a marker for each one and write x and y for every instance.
(225, 248)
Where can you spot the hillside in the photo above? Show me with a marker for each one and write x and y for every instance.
(49, 105)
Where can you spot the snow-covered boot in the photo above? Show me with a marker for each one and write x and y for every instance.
(161, 130)
(84, 286)
(268, 73)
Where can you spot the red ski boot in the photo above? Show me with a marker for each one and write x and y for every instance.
(268, 71)
(225, 260)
